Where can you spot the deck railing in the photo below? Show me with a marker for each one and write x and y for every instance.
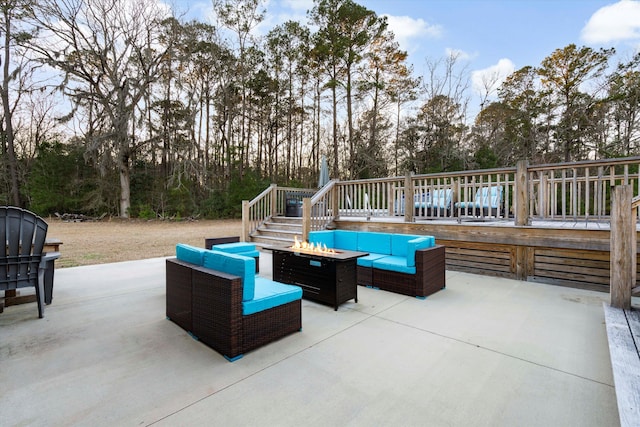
(578, 191)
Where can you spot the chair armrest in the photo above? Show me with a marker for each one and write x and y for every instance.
(430, 270)
(50, 256)
(217, 310)
(46, 257)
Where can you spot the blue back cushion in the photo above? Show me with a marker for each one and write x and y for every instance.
(188, 253)
(347, 240)
(378, 243)
(324, 237)
(418, 243)
(399, 246)
(235, 248)
(237, 265)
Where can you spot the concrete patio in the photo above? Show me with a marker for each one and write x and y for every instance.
(484, 352)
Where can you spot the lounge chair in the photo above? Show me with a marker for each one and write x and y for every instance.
(22, 261)
(437, 203)
(488, 201)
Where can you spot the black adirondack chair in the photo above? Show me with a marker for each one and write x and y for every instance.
(22, 262)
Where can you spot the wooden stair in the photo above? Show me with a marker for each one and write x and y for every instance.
(277, 231)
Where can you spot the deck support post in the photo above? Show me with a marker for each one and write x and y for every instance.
(245, 222)
(408, 197)
(623, 247)
(522, 194)
(306, 218)
(274, 200)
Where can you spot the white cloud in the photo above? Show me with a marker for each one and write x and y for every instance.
(612, 23)
(298, 5)
(458, 54)
(409, 31)
(485, 82)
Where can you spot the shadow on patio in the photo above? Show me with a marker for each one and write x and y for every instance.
(485, 351)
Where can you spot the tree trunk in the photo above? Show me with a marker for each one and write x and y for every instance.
(125, 190)
(14, 195)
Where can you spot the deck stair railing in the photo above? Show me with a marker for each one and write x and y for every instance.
(320, 210)
(270, 203)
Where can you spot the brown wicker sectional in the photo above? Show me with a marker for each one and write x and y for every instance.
(429, 277)
(208, 304)
(403, 263)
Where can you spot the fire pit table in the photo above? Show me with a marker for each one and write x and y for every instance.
(325, 277)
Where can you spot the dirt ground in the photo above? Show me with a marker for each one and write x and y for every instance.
(115, 240)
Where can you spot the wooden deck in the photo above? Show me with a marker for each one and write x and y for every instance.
(574, 254)
(549, 223)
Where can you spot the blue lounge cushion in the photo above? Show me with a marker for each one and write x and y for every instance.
(347, 240)
(237, 265)
(235, 248)
(191, 254)
(367, 261)
(394, 263)
(485, 197)
(269, 294)
(372, 242)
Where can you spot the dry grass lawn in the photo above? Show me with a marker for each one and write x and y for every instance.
(115, 240)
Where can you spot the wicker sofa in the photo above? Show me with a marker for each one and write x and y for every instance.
(218, 298)
(403, 263)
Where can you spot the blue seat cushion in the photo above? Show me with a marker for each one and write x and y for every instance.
(372, 242)
(394, 263)
(269, 294)
(191, 254)
(347, 240)
(323, 238)
(237, 265)
(235, 248)
(367, 261)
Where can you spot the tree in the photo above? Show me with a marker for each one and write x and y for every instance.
(624, 97)
(526, 107)
(241, 17)
(442, 116)
(388, 78)
(564, 72)
(346, 30)
(13, 13)
(109, 54)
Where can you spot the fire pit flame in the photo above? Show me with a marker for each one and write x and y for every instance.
(311, 247)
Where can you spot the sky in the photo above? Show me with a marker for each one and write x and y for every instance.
(491, 38)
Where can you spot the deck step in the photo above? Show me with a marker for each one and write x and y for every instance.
(277, 231)
(267, 242)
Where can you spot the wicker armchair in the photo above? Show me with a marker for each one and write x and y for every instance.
(22, 260)
(209, 304)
